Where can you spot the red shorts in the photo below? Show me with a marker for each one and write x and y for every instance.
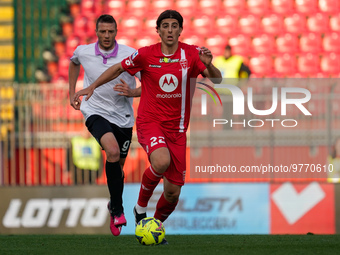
(152, 137)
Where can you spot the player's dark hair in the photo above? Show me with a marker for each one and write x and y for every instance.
(227, 47)
(170, 14)
(106, 18)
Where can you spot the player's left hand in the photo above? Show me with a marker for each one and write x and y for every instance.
(123, 89)
(205, 56)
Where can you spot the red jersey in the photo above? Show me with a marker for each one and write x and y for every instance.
(166, 96)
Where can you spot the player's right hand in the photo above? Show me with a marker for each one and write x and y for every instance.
(75, 104)
(84, 92)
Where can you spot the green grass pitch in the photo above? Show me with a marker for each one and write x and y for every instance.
(178, 244)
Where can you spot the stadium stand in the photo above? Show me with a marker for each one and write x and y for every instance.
(279, 38)
(310, 42)
(334, 22)
(273, 27)
(306, 6)
(330, 64)
(259, 7)
(272, 23)
(287, 43)
(331, 42)
(318, 22)
(282, 6)
(263, 43)
(285, 65)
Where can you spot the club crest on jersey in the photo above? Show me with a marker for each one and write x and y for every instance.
(168, 82)
(184, 64)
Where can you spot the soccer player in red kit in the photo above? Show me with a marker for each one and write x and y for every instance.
(164, 109)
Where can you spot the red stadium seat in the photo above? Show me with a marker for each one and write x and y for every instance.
(87, 7)
(74, 9)
(295, 23)
(272, 24)
(306, 6)
(126, 40)
(261, 65)
(67, 28)
(329, 6)
(263, 43)
(318, 22)
(235, 7)
(149, 24)
(334, 22)
(139, 8)
(287, 43)
(130, 25)
(59, 48)
(202, 25)
(249, 24)
(187, 8)
(193, 39)
(145, 41)
(260, 7)
(209, 7)
(240, 44)
(216, 44)
(285, 64)
(116, 8)
(282, 6)
(310, 42)
(63, 65)
(99, 8)
(158, 6)
(80, 26)
(71, 44)
(330, 63)
(226, 24)
(331, 42)
(91, 26)
(308, 63)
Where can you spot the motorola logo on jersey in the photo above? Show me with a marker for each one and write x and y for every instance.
(168, 82)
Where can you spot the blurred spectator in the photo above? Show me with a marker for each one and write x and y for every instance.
(85, 159)
(333, 161)
(232, 66)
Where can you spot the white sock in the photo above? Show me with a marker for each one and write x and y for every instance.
(140, 209)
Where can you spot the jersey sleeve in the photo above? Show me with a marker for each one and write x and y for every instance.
(134, 63)
(200, 67)
(75, 56)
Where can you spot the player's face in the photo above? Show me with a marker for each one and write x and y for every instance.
(106, 34)
(169, 31)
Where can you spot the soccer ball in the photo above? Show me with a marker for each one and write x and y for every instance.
(150, 231)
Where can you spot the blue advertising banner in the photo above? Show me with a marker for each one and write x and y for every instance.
(214, 208)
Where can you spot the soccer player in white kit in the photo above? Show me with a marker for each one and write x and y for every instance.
(109, 116)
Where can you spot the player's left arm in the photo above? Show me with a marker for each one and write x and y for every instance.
(211, 71)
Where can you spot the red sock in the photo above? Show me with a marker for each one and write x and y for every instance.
(150, 181)
(164, 208)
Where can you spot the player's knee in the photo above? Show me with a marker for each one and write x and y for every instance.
(161, 164)
(113, 154)
(172, 195)
(160, 161)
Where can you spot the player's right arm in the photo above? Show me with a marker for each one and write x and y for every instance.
(73, 73)
(110, 74)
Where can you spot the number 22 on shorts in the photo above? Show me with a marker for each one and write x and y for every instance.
(156, 140)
